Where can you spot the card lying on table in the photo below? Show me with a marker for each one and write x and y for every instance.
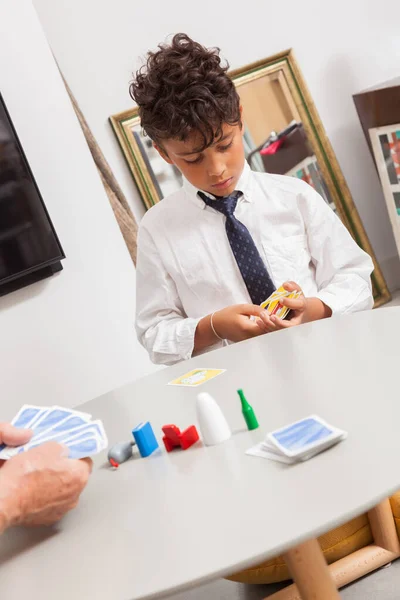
(298, 441)
(74, 429)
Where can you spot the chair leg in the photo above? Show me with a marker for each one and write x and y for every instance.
(385, 549)
(309, 570)
(383, 527)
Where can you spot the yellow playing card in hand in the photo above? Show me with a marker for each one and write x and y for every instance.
(273, 306)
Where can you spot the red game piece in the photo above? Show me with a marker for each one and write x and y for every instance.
(189, 437)
(173, 438)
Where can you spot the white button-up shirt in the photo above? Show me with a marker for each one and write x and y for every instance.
(186, 268)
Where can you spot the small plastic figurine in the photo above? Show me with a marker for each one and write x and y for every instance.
(248, 412)
(213, 425)
(145, 439)
(119, 453)
(173, 438)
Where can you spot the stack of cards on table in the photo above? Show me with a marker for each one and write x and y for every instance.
(272, 305)
(74, 429)
(298, 441)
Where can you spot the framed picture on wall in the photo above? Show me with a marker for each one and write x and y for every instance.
(386, 148)
(154, 177)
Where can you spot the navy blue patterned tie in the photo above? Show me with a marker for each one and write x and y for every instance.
(250, 263)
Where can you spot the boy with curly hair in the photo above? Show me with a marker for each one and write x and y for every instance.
(210, 253)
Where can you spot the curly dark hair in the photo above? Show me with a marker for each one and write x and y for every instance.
(184, 87)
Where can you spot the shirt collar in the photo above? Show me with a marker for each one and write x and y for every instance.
(244, 185)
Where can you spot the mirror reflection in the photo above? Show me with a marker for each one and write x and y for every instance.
(274, 136)
(165, 178)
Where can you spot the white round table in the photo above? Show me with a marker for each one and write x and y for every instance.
(172, 521)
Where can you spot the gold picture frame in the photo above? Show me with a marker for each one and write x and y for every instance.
(123, 124)
(286, 70)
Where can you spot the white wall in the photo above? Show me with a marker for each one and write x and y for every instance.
(342, 47)
(70, 337)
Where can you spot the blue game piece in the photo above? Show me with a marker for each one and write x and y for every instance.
(145, 439)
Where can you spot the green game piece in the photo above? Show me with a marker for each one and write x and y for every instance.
(248, 412)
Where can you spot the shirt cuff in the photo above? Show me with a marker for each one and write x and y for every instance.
(331, 301)
(363, 301)
(185, 333)
(185, 337)
(179, 344)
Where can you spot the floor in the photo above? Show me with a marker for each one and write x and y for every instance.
(381, 585)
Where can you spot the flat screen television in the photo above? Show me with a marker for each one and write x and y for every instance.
(29, 247)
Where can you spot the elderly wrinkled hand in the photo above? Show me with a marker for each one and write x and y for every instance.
(12, 436)
(39, 486)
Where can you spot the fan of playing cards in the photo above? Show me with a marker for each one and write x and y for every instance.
(273, 306)
(74, 429)
(298, 441)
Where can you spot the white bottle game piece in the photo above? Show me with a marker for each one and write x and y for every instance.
(213, 425)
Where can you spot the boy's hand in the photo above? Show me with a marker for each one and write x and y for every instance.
(233, 323)
(302, 309)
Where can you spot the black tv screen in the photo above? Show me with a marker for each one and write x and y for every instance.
(29, 246)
